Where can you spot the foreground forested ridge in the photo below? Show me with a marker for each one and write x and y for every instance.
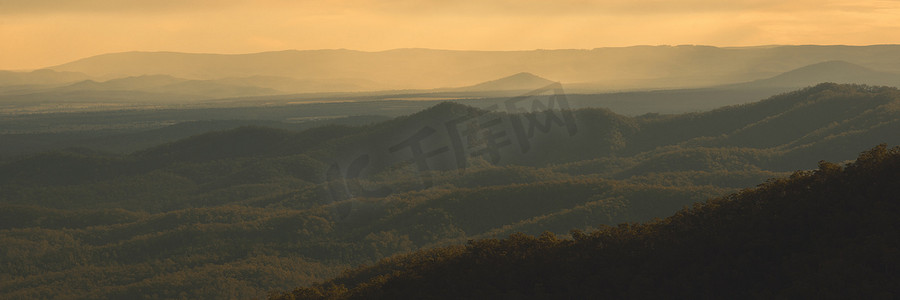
(238, 213)
(829, 233)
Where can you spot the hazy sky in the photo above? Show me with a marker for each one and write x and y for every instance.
(40, 33)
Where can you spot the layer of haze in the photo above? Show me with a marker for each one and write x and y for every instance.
(41, 33)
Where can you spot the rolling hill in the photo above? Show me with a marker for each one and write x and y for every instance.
(831, 232)
(236, 213)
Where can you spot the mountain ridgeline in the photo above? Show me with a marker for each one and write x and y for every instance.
(691, 78)
(630, 81)
(615, 67)
(241, 212)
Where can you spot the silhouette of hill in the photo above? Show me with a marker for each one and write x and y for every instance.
(523, 81)
(830, 71)
(822, 233)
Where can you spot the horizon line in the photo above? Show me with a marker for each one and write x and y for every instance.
(447, 50)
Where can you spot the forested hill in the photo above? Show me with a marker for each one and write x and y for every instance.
(827, 121)
(238, 213)
(829, 233)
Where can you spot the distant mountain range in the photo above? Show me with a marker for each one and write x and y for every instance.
(601, 68)
(629, 80)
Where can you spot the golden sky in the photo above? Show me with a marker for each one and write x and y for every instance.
(41, 33)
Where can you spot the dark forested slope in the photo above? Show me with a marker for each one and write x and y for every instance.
(829, 233)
